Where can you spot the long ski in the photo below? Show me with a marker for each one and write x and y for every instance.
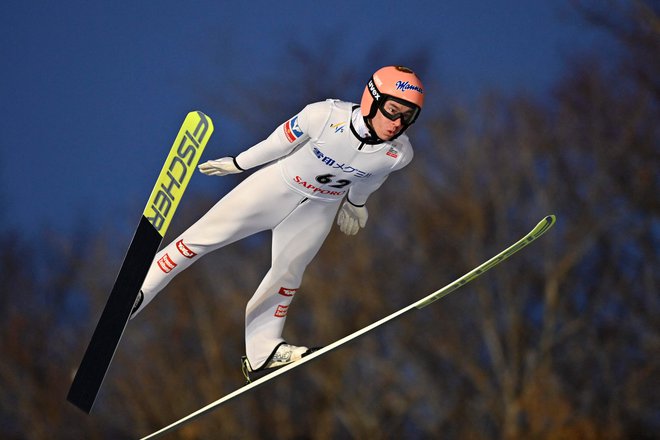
(163, 201)
(540, 229)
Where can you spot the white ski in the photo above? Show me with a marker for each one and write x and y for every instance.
(535, 233)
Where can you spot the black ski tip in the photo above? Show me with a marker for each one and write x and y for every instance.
(82, 401)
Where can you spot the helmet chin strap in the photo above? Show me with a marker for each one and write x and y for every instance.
(372, 132)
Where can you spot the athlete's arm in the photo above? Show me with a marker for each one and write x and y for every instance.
(284, 139)
(280, 143)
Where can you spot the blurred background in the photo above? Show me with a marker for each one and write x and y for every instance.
(531, 110)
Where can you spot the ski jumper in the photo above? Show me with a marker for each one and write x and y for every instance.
(314, 160)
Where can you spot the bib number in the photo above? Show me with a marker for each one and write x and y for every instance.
(325, 179)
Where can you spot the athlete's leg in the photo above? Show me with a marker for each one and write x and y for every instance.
(296, 240)
(258, 203)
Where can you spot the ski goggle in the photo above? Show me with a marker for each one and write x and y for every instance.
(394, 108)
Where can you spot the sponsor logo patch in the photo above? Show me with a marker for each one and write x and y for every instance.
(292, 130)
(281, 311)
(393, 153)
(184, 250)
(166, 263)
(346, 168)
(287, 292)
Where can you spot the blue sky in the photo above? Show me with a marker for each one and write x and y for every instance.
(93, 92)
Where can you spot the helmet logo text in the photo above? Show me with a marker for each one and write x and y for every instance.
(403, 86)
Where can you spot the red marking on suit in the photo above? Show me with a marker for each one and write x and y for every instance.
(281, 311)
(287, 292)
(166, 263)
(184, 250)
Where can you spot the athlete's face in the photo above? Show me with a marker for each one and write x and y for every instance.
(387, 122)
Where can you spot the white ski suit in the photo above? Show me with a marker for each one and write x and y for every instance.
(314, 160)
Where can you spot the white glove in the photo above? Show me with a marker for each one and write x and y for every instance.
(351, 218)
(220, 167)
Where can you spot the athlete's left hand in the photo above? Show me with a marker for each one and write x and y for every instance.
(351, 218)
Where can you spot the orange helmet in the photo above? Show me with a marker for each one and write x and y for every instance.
(395, 83)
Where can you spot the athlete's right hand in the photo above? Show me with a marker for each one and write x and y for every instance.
(220, 167)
